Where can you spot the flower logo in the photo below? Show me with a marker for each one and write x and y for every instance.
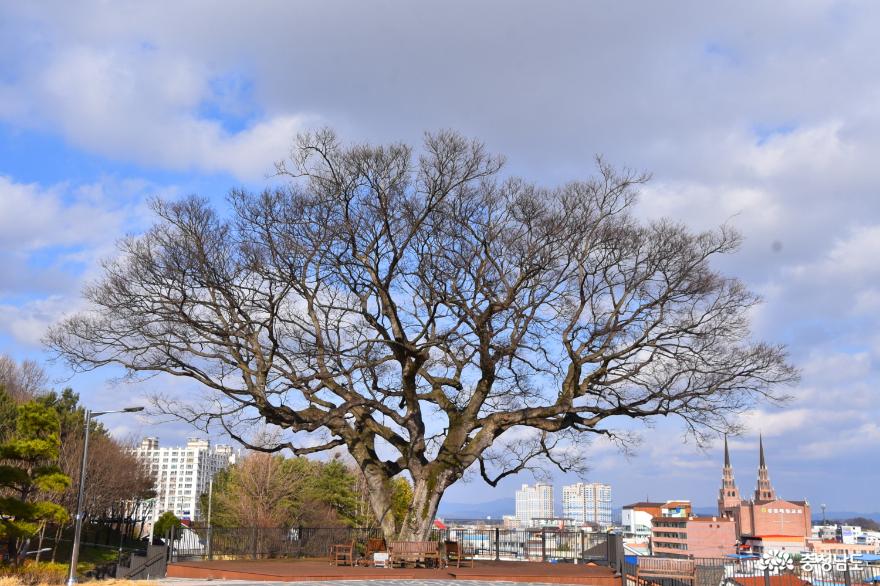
(776, 561)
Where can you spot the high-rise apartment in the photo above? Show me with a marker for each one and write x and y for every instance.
(534, 502)
(587, 503)
(181, 474)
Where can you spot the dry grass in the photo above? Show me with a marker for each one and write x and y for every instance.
(25, 581)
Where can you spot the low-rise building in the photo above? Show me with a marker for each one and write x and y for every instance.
(636, 517)
(693, 537)
(841, 549)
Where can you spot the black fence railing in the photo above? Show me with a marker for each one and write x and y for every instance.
(772, 570)
(199, 542)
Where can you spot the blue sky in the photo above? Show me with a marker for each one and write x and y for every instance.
(762, 116)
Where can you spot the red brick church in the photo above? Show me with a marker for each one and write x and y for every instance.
(765, 521)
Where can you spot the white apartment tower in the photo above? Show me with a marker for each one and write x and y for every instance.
(587, 503)
(181, 474)
(534, 502)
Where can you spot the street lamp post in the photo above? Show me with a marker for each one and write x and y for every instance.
(210, 531)
(77, 526)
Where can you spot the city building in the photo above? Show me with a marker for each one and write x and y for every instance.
(841, 539)
(693, 537)
(182, 474)
(837, 548)
(534, 502)
(587, 504)
(636, 517)
(765, 522)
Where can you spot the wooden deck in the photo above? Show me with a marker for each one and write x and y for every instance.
(321, 570)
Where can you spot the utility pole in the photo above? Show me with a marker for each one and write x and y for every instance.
(77, 527)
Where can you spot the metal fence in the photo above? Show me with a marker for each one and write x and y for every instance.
(531, 544)
(498, 544)
(784, 571)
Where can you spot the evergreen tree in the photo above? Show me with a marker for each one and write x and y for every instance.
(401, 500)
(30, 472)
(334, 486)
(165, 523)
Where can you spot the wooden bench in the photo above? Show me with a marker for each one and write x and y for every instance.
(402, 552)
(685, 570)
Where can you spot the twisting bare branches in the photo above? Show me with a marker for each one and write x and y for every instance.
(420, 310)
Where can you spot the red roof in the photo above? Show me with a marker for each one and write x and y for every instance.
(438, 524)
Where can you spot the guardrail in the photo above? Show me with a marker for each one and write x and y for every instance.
(547, 544)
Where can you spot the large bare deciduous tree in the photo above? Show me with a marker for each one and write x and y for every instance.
(430, 315)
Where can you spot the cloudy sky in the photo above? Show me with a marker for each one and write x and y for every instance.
(764, 115)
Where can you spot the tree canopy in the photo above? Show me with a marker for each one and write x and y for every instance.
(430, 314)
(165, 523)
(269, 490)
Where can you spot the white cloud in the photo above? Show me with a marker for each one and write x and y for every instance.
(27, 323)
(764, 117)
(144, 106)
(51, 239)
(843, 442)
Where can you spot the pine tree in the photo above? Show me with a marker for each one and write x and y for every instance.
(28, 473)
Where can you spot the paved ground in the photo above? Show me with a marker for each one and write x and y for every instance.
(188, 582)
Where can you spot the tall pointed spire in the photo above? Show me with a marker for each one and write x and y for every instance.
(764, 490)
(728, 496)
(761, 463)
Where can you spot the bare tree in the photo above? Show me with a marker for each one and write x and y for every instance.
(117, 481)
(22, 380)
(429, 315)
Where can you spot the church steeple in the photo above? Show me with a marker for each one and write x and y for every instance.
(728, 496)
(764, 490)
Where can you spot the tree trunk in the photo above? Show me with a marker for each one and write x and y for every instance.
(428, 489)
(58, 532)
(379, 491)
(41, 533)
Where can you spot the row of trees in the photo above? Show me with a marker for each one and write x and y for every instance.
(269, 490)
(41, 434)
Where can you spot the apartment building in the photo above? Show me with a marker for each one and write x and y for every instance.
(181, 474)
(587, 503)
(534, 502)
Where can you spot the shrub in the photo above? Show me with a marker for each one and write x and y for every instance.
(32, 573)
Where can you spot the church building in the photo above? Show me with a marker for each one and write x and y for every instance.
(765, 522)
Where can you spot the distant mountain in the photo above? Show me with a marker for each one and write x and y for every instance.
(843, 515)
(495, 509)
